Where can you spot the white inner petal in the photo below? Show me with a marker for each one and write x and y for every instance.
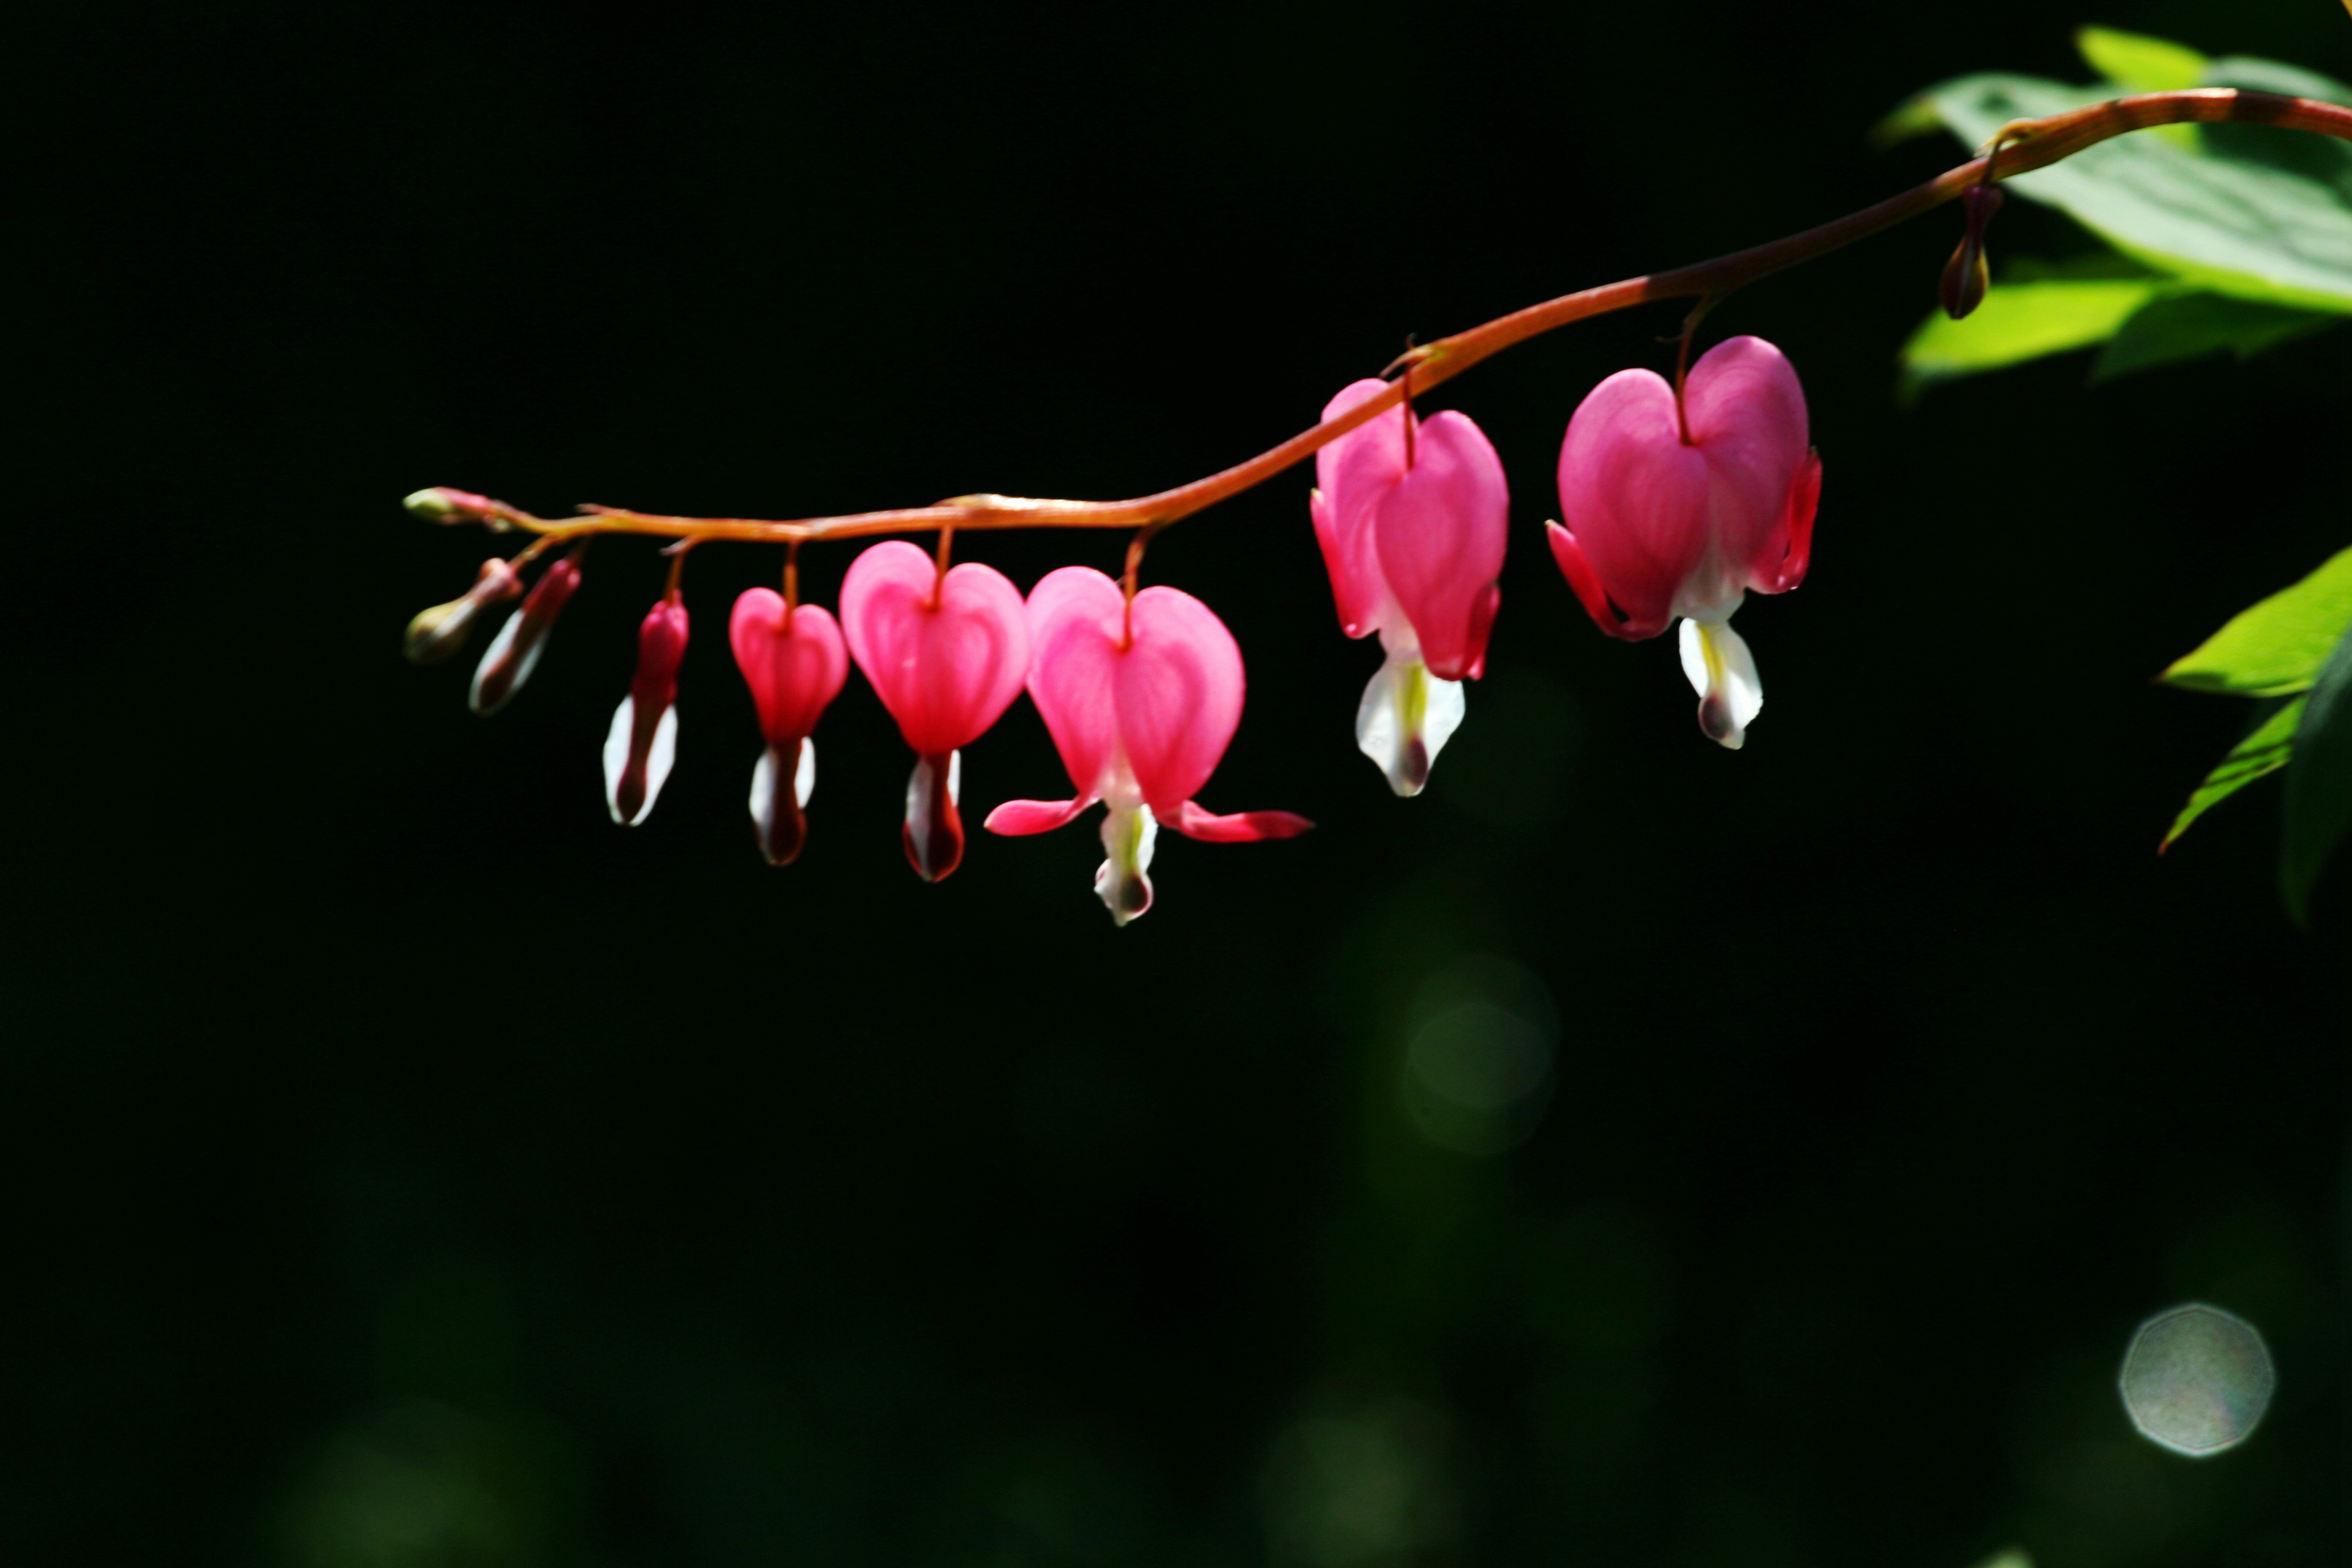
(1128, 834)
(763, 794)
(804, 777)
(616, 755)
(1406, 718)
(497, 651)
(658, 760)
(1723, 672)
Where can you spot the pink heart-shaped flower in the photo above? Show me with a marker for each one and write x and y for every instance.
(793, 669)
(947, 656)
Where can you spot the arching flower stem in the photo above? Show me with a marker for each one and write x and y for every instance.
(2021, 147)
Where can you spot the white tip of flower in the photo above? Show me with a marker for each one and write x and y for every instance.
(616, 756)
(782, 841)
(630, 800)
(1129, 833)
(490, 692)
(764, 791)
(1723, 672)
(1405, 719)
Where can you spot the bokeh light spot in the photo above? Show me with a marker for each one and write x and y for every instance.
(1479, 1055)
(2197, 1380)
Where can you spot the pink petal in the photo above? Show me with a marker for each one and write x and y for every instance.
(1018, 818)
(1075, 616)
(1747, 415)
(1179, 689)
(1351, 475)
(661, 648)
(945, 669)
(1634, 498)
(1440, 532)
(1241, 828)
(1805, 500)
(1588, 590)
(793, 672)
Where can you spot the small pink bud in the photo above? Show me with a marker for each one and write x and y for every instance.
(642, 741)
(1967, 277)
(439, 632)
(794, 663)
(514, 653)
(439, 503)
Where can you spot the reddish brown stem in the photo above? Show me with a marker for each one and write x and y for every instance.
(2023, 146)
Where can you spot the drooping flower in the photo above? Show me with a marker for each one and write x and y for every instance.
(947, 654)
(1413, 516)
(439, 631)
(793, 660)
(1675, 511)
(642, 741)
(1141, 701)
(514, 652)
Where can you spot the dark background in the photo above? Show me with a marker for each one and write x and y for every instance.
(409, 1167)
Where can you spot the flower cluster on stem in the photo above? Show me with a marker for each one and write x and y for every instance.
(1678, 499)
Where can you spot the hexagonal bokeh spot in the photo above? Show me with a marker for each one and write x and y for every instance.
(2197, 1380)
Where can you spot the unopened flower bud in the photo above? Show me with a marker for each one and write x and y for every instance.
(514, 652)
(440, 631)
(439, 503)
(642, 741)
(1967, 277)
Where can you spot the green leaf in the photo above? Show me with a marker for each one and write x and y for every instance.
(2139, 63)
(2020, 321)
(2265, 749)
(2187, 325)
(2232, 224)
(2276, 648)
(2318, 781)
(2324, 159)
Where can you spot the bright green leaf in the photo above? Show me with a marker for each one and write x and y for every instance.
(2139, 63)
(2021, 321)
(2187, 325)
(2318, 781)
(2276, 648)
(2265, 749)
(2230, 225)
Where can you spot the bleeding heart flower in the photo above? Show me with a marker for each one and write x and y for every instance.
(514, 652)
(1679, 511)
(793, 660)
(1141, 701)
(947, 655)
(642, 741)
(1413, 516)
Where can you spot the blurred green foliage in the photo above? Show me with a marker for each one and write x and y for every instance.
(2239, 241)
(2295, 644)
